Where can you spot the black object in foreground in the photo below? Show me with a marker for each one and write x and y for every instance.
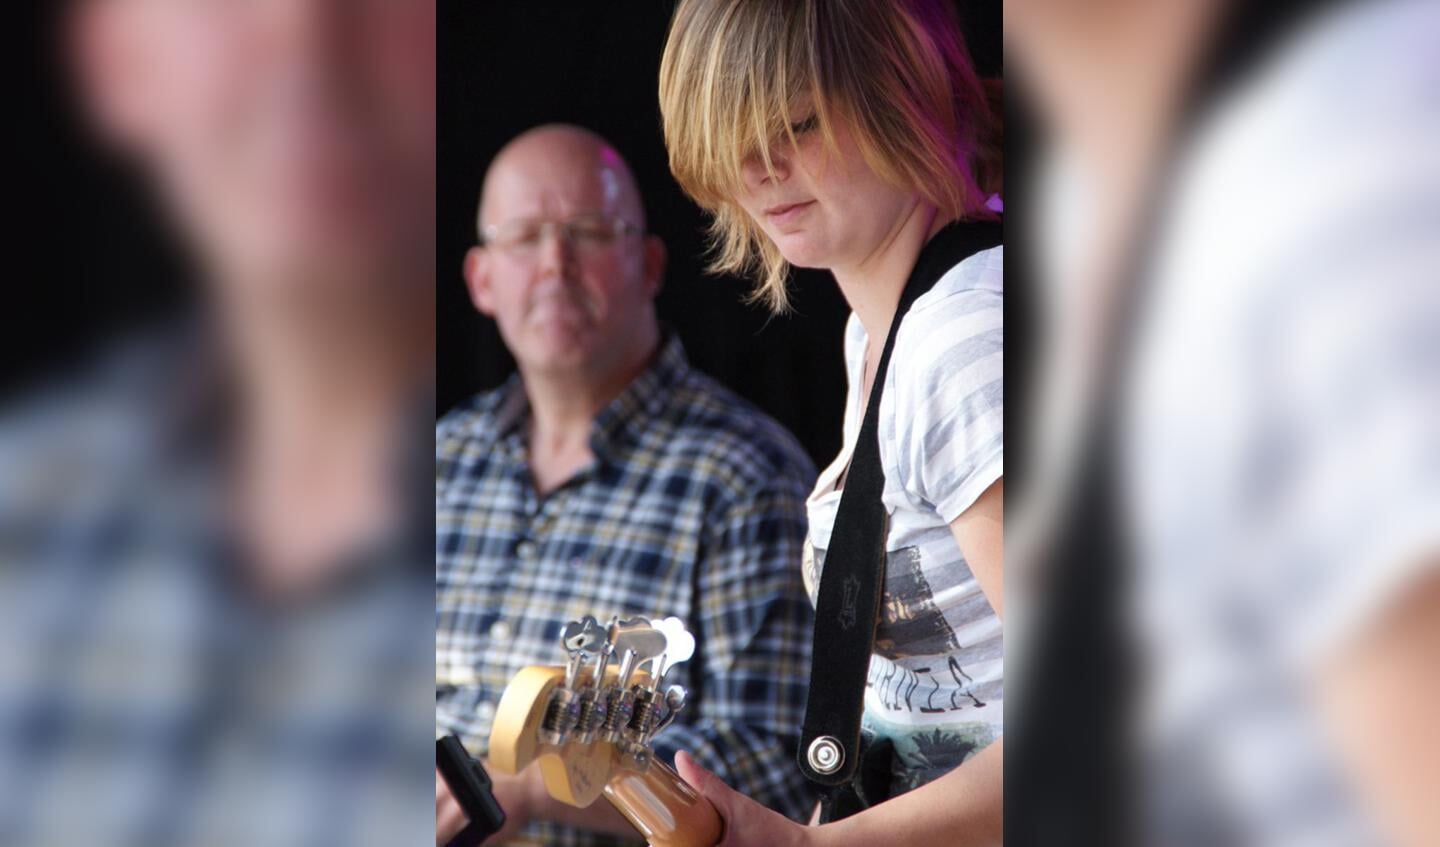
(470, 786)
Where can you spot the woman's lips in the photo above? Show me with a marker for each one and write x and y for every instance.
(787, 212)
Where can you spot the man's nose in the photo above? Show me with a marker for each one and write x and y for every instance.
(754, 172)
(555, 252)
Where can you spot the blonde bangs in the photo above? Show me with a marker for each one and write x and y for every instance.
(728, 76)
(897, 73)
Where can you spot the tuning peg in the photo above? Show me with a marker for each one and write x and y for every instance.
(637, 622)
(606, 651)
(675, 697)
(646, 643)
(679, 645)
(584, 634)
(627, 667)
(572, 670)
(674, 701)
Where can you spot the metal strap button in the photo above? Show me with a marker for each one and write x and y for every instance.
(825, 754)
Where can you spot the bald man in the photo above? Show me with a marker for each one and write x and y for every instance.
(609, 478)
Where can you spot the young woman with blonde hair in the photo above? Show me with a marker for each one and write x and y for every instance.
(854, 136)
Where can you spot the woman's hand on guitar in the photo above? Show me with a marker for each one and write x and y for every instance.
(746, 822)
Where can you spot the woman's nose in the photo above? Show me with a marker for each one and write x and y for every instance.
(755, 174)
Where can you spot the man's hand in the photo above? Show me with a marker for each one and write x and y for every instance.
(511, 792)
(449, 817)
(523, 798)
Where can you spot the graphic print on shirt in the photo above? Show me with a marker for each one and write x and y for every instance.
(919, 666)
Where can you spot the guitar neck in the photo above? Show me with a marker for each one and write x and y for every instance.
(664, 808)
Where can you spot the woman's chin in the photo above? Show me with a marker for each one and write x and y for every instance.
(801, 252)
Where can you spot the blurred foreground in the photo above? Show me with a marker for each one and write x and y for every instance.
(1231, 557)
(216, 599)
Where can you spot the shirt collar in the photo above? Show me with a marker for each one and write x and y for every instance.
(622, 419)
(628, 414)
(507, 418)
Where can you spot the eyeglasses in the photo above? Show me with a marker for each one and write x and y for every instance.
(587, 234)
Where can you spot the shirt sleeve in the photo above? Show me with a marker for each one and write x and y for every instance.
(752, 663)
(1357, 516)
(950, 400)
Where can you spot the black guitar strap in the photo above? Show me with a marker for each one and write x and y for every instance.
(470, 786)
(847, 609)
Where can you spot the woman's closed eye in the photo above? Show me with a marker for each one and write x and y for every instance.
(802, 127)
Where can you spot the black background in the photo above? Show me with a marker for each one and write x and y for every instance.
(92, 258)
(89, 256)
(507, 66)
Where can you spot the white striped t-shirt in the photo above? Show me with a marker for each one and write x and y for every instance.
(936, 679)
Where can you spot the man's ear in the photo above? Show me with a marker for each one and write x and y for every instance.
(477, 280)
(103, 44)
(654, 264)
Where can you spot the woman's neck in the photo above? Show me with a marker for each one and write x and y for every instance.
(873, 285)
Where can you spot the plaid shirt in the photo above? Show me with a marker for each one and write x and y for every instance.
(694, 507)
(148, 698)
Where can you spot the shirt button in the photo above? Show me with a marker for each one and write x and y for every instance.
(500, 631)
(485, 711)
(526, 550)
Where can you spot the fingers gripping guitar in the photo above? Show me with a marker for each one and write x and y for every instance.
(589, 727)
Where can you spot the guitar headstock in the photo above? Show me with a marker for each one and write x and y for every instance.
(596, 715)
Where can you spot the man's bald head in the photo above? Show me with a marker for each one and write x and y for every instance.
(574, 302)
(557, 171)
